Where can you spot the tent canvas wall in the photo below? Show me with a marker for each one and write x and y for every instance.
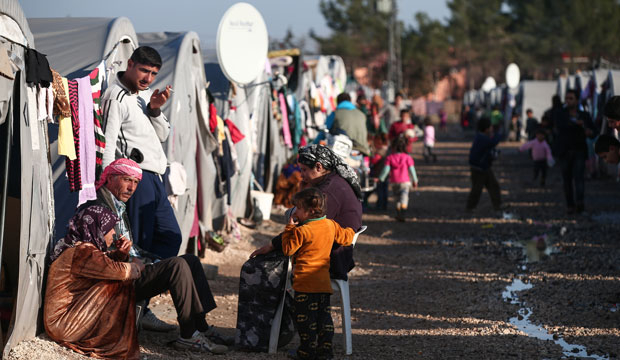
(75, 47)
(30, 207)
(183, 69)
(536, 95)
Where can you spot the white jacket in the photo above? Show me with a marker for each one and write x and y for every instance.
(127, 126)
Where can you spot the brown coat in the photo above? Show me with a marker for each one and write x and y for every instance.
(90, 304)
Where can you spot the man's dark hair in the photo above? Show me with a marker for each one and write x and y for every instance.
(399, 94)
(483, 124)
(312, 200)
(574, 92)
(556, 101)
(146, 55)
(612, 108)
(404, 111)
(604, 142)
(343, 97)
(529, 111)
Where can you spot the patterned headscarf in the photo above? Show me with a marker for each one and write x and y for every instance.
(88, 225)
(120, 166)
(311, 154)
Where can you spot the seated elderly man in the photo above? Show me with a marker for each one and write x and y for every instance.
(183, 276)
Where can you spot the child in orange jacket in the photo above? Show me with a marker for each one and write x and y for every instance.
(309, 237)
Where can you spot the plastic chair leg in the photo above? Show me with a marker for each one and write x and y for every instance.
(275, 328)
(343, 287)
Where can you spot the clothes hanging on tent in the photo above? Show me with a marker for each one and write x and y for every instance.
(235, 133)
(38, 69)
(286, 130)
(87, 140)
(73, 166)
(97, 78)
(212, 117)
(31, 94)
(296, 123)
(66, 143)
(45, 104)
(61, 101)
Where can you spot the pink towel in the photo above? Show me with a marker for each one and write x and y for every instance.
(286, 130)
(87, 140)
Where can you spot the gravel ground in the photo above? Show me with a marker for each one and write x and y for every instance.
(431, 287)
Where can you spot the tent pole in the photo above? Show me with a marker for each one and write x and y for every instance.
(5, 176)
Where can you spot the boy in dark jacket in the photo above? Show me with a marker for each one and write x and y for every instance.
(480, 159)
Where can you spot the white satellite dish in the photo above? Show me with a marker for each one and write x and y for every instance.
(489, 84)
(513, 76)
(242, 43)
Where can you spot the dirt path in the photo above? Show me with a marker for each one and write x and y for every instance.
(431, 287)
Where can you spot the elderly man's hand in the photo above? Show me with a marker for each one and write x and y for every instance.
(139, 263)
(123, 245)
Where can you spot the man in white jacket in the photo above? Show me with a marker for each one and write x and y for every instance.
(135, 128)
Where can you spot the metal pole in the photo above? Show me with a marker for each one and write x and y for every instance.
(391, 57)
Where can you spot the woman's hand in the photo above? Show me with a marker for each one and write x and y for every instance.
(264, 250)
(415, 185)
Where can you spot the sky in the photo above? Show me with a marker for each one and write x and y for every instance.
(203, 16)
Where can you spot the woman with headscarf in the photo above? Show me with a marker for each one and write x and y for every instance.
(263, 275)
(90, 302)
(323, 169)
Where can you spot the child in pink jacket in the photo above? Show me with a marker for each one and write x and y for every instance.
(399, 165)
(541, 154)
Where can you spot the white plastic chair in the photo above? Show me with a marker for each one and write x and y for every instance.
(341, 286)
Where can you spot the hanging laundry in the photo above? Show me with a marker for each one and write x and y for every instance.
(235, 134)
(61, 102)
(73, 166)
(97, 78)
(45, 104)
(233, 152)
(87, 140)
(297, 127)
(31, 94)
(212, 117)
(286, 130)
(66, 144)
(38, 69)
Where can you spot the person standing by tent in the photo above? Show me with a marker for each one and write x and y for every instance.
(350, 121)
(134, 128)
(573, 126)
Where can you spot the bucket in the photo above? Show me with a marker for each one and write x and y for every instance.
(264, 202)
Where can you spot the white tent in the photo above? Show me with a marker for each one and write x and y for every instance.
(188, 113)
(29, 206)
(536, 95)
(75, 47)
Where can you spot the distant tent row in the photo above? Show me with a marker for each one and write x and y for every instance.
(595, 88)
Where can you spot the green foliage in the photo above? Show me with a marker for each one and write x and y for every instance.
(482, 36)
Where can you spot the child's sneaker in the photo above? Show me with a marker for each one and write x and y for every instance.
(199, 343)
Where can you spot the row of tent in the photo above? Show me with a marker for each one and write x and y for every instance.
(38, 201)
(595, 88)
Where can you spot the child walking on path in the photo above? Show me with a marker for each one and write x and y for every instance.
(309, 237)
(429, 140)
(541, 154)
(481, 157)
(399, 165)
